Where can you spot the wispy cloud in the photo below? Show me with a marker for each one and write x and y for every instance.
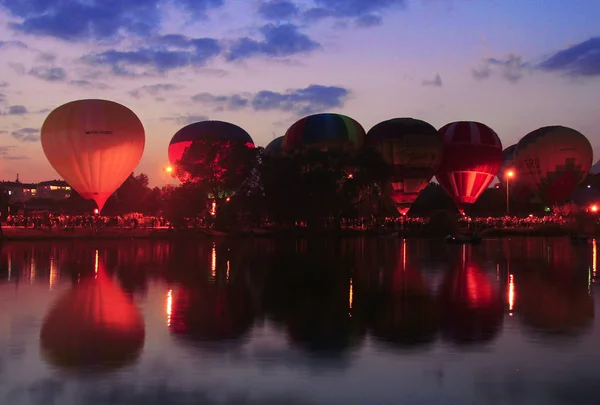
(578, 60)
(186, 119)
(169, 52)
(49, 74)
(278, 10)
(436, 81)
(309, 100)
(153, 90)
(232, 103)
(511, 68)
(82, 20)
(277, 41)
(27, 134)
(363, 13)
(16, 110)
(7, 152)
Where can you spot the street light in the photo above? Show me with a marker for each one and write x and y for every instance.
(509, 175)
(168, 170)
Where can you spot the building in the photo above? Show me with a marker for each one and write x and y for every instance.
(53, 190)
(22, 192)
(19, 192)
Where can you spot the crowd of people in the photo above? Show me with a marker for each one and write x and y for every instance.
(139, 221)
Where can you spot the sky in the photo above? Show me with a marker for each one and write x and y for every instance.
(514, 65)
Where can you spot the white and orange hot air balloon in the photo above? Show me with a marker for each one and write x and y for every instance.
(94, 145)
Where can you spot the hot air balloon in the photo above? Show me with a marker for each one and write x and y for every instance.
(323, 132)
(94, 325)
(94, 145)
(274, 147)
(553, 161)
(471, 159)
(219, 132)
(413, 149)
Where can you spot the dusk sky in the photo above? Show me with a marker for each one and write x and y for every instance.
(515, 65)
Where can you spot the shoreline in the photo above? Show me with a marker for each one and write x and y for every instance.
(30, 234)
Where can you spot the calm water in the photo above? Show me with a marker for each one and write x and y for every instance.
(374, 321)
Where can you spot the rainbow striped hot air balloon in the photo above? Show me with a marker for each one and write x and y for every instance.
(324, 131)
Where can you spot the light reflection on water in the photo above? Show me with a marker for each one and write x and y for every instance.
(361, 321)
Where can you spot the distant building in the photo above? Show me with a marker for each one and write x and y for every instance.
(22, 192)
(19, 192)
(53, 189)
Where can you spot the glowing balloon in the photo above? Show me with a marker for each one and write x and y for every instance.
(94, 145)
(413, 149)
(552, 161)
(472, 157)
(211, 131)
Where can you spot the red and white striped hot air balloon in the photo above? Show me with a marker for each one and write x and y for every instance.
(471, 159)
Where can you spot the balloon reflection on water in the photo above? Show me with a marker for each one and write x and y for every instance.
(471, 307)
(311, 294)
(216, 308)
(403, 312)
(95, 325)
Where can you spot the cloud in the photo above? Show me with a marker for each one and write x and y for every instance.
(436, 82)
(277, 10)
(6, 152)
(368, 21)
(510, 68)
(50, 74)
(81, 20)
(312, 99)
(366, 13)
(234, 102)
(13, 44)
(153, 89)
(279, 40)
(86, 84)
(171, 52)
(3, 84)
(27, 134)
(17, 110)
(579, 60)
(309, 100)
(186, 119)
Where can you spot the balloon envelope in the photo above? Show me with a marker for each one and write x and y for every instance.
(324, 131)
(95, 325)
(471, 159)
(274, 147)
(211, 131)
(413, 149)
(553, 161)
(94, 145)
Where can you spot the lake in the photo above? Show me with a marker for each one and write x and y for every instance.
(315, 321)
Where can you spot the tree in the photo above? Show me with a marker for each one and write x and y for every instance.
(130, 197)
(217, 169)
(316, 186)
